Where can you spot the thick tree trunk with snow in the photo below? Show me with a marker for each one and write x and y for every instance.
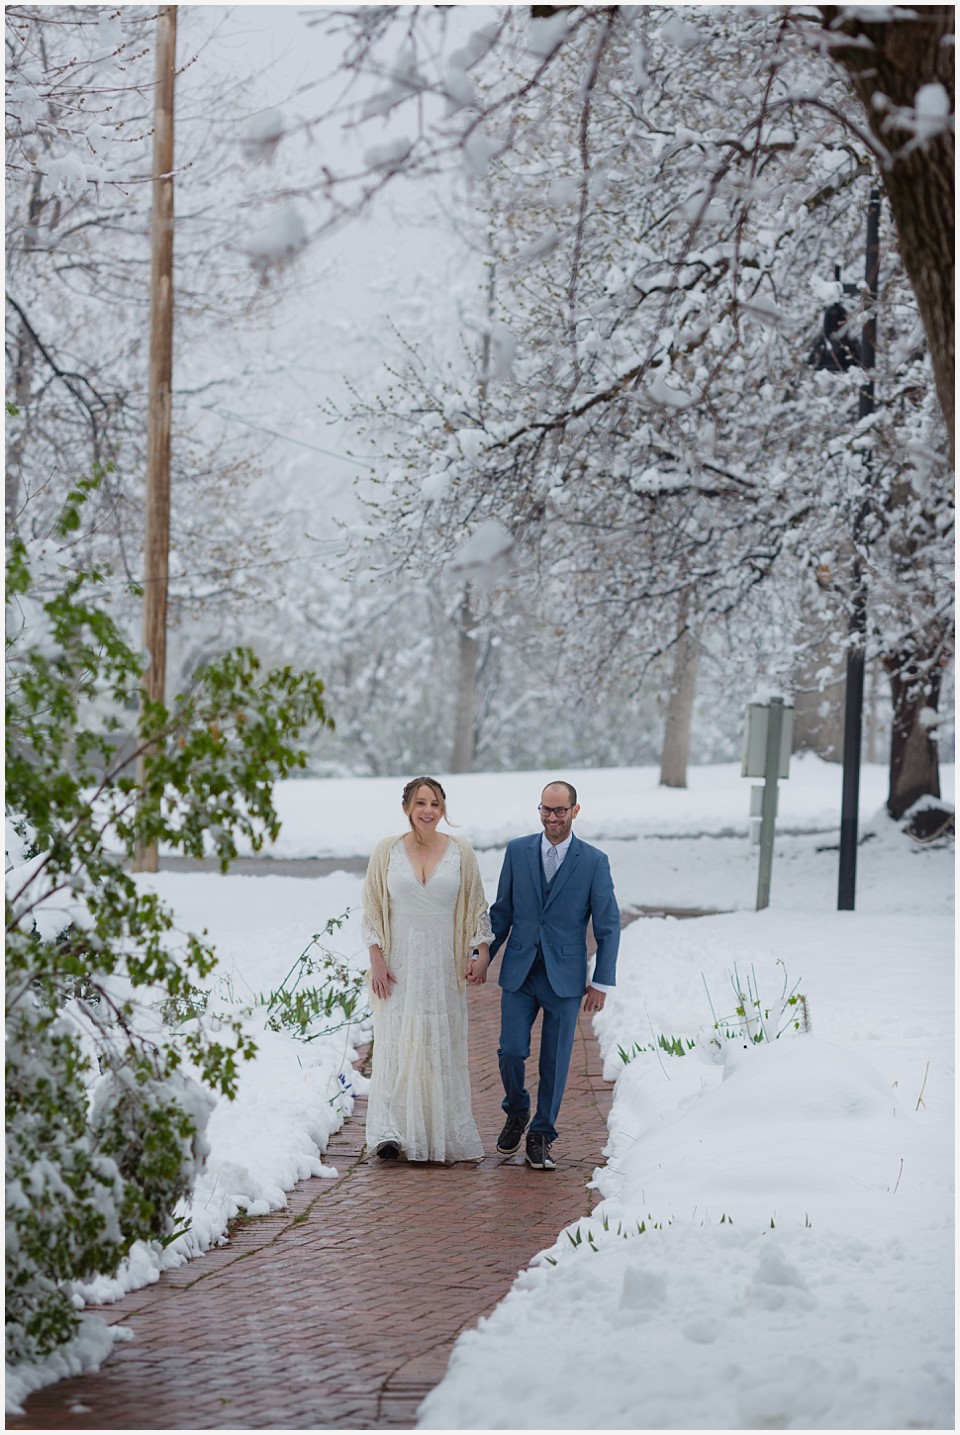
(818, 705)
(889, 60)
(915, 682)
(683, 692)
(464, 732)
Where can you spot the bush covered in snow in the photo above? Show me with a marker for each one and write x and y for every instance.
(105, 1132)
(82, 1185)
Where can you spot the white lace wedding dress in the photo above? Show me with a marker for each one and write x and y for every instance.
(419, 1094)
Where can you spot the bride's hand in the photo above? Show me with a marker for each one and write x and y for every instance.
(380, 978)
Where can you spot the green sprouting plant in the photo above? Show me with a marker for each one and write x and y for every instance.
(751, 1020)
(333, 1000)
(179, 1227)
(578, 1240)
(674, 1045)
(104, 1132)
(605, 1223)
(754, 1021)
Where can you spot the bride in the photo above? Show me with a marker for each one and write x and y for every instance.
(424, 913)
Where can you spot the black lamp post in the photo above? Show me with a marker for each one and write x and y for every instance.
(853, 705)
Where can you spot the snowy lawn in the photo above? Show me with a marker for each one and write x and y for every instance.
(773, 1242)
(774, 1245)
(343, 817)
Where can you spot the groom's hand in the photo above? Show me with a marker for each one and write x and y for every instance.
(594, 1000)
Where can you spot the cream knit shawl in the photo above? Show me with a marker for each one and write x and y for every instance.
(470, 905)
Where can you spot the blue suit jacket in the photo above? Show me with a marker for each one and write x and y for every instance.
(555, 923)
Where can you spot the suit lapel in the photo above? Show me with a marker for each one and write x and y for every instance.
(536, 869)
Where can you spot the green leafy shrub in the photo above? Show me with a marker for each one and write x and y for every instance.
(104, 1130)
(332, 1001)
(62, 1196)
(153, 1130)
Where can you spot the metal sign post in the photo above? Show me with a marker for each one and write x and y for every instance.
(766, 754)
(768, 810)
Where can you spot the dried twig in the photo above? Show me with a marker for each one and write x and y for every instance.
(920, 1100)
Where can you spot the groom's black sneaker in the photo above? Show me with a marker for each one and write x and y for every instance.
(512, 1134)
(538, 1153)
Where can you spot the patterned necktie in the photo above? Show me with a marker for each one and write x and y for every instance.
(550, 863)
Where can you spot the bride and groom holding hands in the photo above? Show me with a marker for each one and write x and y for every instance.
(430, 934)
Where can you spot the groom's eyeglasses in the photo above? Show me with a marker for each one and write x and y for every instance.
(553, 811)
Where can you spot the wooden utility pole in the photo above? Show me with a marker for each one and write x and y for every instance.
(157, 528)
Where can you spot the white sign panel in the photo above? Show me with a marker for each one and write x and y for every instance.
(755, 742)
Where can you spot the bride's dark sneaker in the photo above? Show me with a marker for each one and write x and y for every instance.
(388, 1151)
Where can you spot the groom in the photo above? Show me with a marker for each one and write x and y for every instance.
(551, 886)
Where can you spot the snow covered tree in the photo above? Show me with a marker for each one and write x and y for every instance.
(79, 101)
(658, 424)
(901, 64)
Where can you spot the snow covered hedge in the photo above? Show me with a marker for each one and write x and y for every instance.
(83, 1184)
(105, 1133)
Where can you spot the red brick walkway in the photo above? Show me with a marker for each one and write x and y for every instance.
(341, 1310)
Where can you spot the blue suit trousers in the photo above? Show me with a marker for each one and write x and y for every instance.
(518, 1012)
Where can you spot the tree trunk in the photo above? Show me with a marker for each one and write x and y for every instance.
(888, 61)
(464, 732)
(22, 381)
(156, 560)
(915, 682)
(818, 710)
(683, 691)
(872, 734)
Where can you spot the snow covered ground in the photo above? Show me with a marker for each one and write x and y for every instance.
(773, 1243)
